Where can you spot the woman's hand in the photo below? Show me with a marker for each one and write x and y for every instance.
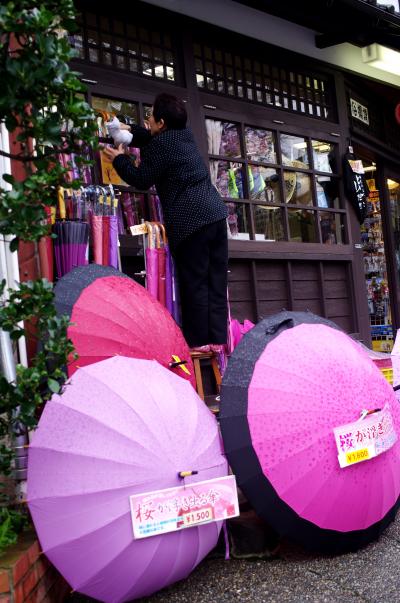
(111, 153)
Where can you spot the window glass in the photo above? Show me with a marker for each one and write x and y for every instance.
(106, 108)
(322, 152)
(268, 223)
(237, 221)
(294, 151)
(297, 187)
(327, 192)
(260, 145)
(223, 138)
(331, 228)
(227, 178)
(302, 226)
(263, 184)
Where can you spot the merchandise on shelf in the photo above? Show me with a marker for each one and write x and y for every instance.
(375, 270)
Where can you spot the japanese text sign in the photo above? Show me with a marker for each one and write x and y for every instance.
(172, 509)
(364, 439)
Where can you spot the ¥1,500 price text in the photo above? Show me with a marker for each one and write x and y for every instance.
(198, 516)
(357, 456)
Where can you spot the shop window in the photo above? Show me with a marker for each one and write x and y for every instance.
(268, 223)
(332, 228)
(106, 108)
(137, 49)
(247, 78)
(302, 227)
(287, 184)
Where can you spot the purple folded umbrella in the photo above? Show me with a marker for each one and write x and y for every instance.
(113, 242)
(123, 426)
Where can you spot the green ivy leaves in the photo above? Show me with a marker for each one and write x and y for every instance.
(42, 105)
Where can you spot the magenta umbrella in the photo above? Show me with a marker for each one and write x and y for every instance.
(151, 264)
(122, 427)
(281, 400)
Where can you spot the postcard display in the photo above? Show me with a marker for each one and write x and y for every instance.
(375, 270)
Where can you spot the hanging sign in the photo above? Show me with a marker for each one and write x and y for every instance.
(173, 509)
(355, 184)
(366, 438)
(359, 111)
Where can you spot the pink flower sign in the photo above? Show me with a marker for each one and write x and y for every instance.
(174, 509)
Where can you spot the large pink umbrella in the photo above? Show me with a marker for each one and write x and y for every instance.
(112, 314)
(122, 427)
(280, 403)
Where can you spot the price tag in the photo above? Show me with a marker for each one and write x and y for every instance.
(195, 517)
(138, 229)
(357, 457)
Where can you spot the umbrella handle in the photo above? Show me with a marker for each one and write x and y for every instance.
(184, 474)
(287, 323)
(157, 231)
(163, 233)
(149, 226)
(178, 363)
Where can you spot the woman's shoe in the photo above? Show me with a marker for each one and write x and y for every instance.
(201, 349)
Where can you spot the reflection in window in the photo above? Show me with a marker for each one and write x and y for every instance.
(107, 108)
(331, 228)
(327, 192)
(260, 145)
(262, 183)
(227, 177)
(321, 151)
(298, 188)
(268, 223)
(223, 138)
(237, 221)
(294, 149)
(302, 226)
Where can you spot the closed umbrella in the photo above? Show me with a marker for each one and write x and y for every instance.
(151, 263)
(283, 395)
(161, 255)
(96, 223)
(112, 314)
(122, 427)
(70, 245)
(45, 248)
(113, 241)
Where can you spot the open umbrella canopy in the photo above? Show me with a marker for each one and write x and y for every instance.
(121, 427)
(114, 315)
(282, 396)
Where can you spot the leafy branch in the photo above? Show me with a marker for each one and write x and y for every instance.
(42, 106)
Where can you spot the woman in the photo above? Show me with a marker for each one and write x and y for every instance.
(194, 214)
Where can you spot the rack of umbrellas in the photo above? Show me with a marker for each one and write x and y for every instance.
(86, 225)
(88, 215)
(129, 483)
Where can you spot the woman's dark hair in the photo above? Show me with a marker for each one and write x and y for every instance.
(171, 110)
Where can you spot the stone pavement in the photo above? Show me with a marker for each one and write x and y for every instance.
(371, 575)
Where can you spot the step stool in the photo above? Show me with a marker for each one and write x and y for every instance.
(197, 357)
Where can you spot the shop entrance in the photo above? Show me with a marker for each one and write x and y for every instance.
(380, 239)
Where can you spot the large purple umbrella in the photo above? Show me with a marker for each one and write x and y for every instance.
(122, 427)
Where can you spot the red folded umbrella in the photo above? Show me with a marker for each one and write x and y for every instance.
(45, 248)
(96, 223)
(113, 315)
